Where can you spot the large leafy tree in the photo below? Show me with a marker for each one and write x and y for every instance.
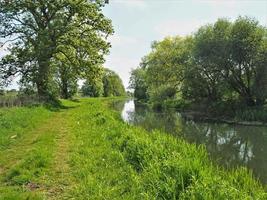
(112, 84)
(166, 63)
(204, 78)
(41, 32)
(161, 72)
(92, 88)
(139, 84)
(221, 62)
(107, 84)
(247, 58)
(232, 55)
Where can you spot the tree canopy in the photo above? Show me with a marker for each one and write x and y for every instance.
(108, 84)
(221, 62)
(53, 38)
(112, 84)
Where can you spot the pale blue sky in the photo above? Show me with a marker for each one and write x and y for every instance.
(139, 22)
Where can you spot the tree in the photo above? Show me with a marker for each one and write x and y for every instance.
(107, 84)
(204, 77)
(92, 89)
(166, 63)
(232, 55)
(112, 84)
(247, 55)
(161, 72)
(221, 63)
(40, 30)
(66, 80)
(138, 83)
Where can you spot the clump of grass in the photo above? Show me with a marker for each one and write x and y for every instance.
(17, 122)
(252, 114)
(170, 168)
(30, 168)
(11, 194)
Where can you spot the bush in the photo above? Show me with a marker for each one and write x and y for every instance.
(252, 114)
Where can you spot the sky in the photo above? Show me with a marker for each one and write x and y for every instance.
(139, 22)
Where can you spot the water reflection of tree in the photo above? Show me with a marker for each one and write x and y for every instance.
(232, 145)
(168, 121)
(229, 145)
(117, 105)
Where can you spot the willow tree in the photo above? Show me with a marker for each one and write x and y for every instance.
(233, 56)
(42, 31)
(112, 84)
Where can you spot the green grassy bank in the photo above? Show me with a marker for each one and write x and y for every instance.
(84, 151)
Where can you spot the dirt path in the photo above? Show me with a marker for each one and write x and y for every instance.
(59, 176)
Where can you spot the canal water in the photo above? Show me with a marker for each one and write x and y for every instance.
(228, 145)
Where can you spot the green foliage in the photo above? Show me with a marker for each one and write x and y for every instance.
(228, 55)
(46, 34)
(66, 79)
(18, 121)
(138, 83)
(165, 65)
(162, 68)
(112, 84)
(92, 89)
(107, 84)
(252, 114)
(221, 64)
(162, 94)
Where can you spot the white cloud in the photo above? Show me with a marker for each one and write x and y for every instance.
(177, 27)
(118, 40)
(226, 3)
(140, 4)
(122, 65)
(3, 50)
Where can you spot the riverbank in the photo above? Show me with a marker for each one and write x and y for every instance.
(230, 114)
(84, 151)
(201, 116)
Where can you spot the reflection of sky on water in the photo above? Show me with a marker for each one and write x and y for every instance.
(229, 145)
(128, 108)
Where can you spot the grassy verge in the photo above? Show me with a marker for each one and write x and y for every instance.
(87, 152)
(225, 111)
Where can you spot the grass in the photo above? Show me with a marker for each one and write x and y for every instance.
(16, 122)
(86, 152)
(252, 114)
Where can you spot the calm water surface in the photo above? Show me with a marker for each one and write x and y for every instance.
(228, 145)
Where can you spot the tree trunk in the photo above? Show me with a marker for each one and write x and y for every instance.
(64, 90)
(249, 101)
(42, 79)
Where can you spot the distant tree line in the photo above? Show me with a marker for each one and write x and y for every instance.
(109, 84)
(52, 44)
(222, 63)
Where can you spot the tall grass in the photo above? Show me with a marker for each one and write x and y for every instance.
(252, 114)
(20, 100)
(108, 159)
(17, 122)
(127, 162)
